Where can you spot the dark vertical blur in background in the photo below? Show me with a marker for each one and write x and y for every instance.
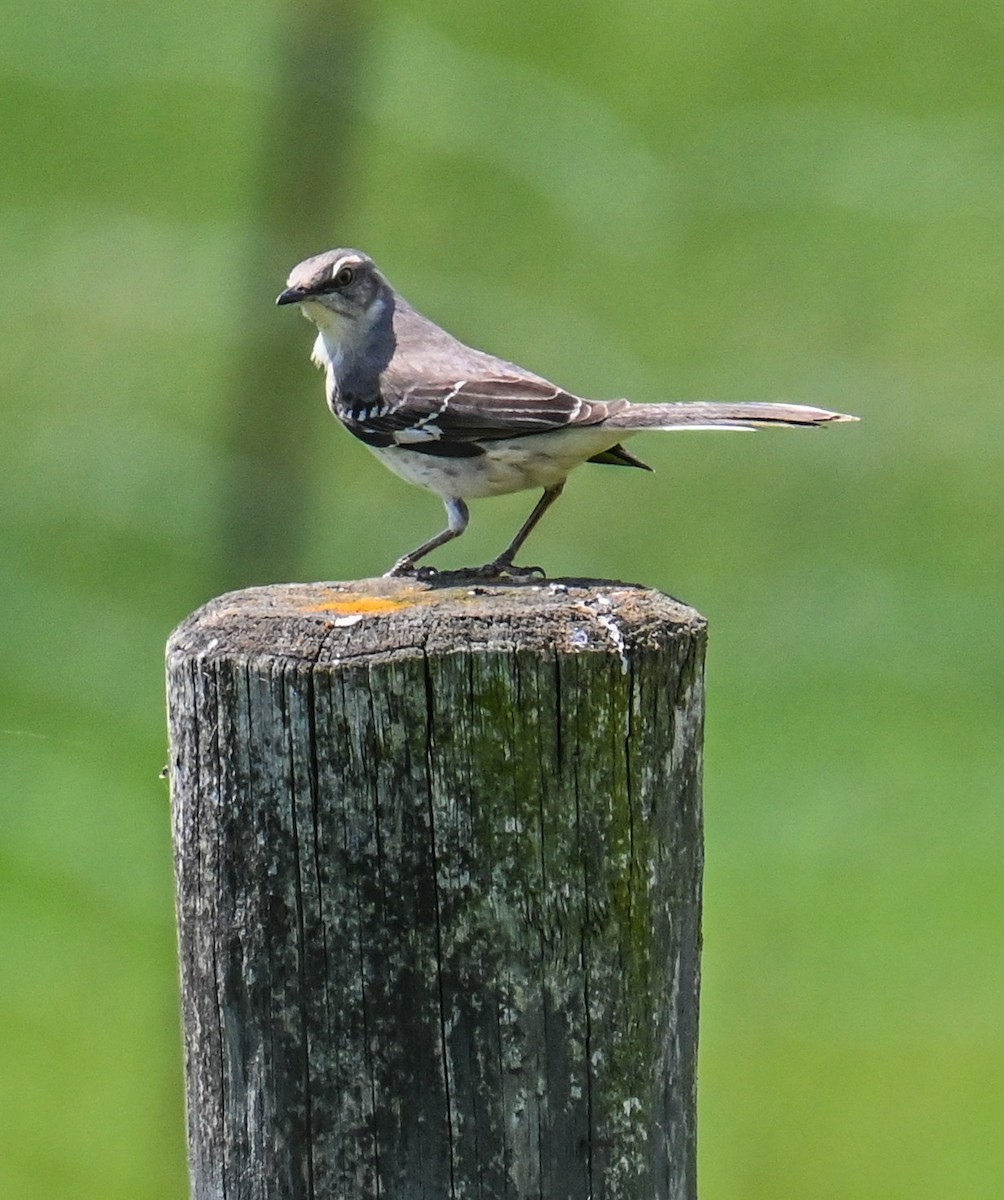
(788, 201)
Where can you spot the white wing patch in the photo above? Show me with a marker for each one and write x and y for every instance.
(425, 429)
(420, 432)
(455, 390)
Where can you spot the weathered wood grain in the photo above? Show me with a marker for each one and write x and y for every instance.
(438, 855)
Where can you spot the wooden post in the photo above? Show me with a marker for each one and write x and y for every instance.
(438, 853)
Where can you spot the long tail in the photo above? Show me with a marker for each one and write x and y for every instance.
(701, 414)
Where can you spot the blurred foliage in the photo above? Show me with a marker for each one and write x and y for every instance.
(776, 201)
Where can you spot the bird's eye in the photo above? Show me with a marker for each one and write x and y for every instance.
(344, 277)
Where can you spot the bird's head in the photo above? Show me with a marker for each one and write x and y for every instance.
(339, 291)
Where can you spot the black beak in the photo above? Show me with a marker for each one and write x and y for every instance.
(292, 296)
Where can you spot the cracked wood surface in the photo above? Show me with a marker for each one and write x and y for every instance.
(438, 855)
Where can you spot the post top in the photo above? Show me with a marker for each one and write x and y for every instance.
(382, 618)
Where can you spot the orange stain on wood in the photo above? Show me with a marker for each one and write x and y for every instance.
(349, 605)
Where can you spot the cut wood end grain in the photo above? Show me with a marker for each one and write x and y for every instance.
(316, 622)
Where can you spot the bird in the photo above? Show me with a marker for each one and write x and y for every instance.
(463, 423)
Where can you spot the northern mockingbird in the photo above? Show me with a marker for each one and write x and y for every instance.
(463, 423)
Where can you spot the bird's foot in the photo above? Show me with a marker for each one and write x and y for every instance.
(498, 569)
(405, 569)
(503, 569)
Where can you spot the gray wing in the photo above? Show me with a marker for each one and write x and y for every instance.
(450, 418)
(440, 396)
(487, 408)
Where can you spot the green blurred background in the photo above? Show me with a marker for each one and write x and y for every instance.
(781, 200)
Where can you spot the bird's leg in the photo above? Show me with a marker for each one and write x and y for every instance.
(458, 516)
(504, 564)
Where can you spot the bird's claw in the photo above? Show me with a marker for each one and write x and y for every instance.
(500, 569)
(403, 570)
